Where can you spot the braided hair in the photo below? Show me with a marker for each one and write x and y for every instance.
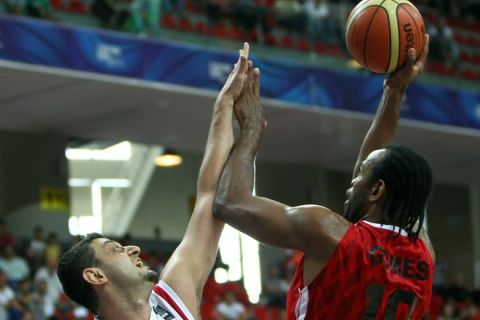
(408, 180)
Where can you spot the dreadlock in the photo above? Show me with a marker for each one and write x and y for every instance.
(408, 179)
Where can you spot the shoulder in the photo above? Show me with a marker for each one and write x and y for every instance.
(320, 225)
(321, 219)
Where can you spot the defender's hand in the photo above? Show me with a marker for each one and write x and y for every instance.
(236, 80)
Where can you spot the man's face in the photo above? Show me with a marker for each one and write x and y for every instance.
(357, 202)
(122, 264)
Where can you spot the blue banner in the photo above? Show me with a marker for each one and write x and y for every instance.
(49, 44)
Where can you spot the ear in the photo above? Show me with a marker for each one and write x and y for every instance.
(377, 191)
(94, 276)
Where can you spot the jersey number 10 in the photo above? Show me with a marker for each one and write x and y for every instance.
(375, 295)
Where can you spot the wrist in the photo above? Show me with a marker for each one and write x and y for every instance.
(224, 100)
(248, 129)
(394, 91)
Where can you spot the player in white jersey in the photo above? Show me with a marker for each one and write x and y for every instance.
(112, 281)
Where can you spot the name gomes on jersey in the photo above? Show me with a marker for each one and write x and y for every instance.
(402, 266)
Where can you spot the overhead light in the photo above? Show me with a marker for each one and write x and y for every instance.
(119, 152)
(168, 158)
(104, 183)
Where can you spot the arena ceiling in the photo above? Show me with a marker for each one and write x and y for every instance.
(39, 99)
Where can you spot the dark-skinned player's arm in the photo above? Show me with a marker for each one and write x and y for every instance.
(384, 125)
(304, 228)
(382, 130)
(187, 270)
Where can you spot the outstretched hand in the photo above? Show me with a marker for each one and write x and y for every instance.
(401, 78)
(248, 109)
(236, 80)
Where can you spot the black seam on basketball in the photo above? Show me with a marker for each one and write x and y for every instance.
(389, 42)
(414, 23)
(366, 33)
(354, 11)
(348, 30)
(399, 36)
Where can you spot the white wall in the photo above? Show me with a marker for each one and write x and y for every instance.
(166, 201)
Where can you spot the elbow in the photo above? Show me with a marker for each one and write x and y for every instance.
(220, 207)
(223, 207)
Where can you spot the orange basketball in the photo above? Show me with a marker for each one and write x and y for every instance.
(380, 32)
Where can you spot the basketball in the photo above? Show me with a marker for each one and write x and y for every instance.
(380, 32)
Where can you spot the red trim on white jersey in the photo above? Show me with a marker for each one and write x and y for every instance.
(171, 299)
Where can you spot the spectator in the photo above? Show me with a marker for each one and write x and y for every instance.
(322, 25)
(45, 305)
(53, 249)
(177, 6)
(218, 9)
(8, 304)
(15, 267)
(449, 312)
(471, 311)
(290, 15)
(49, 275)
(40, 9)
(6, 238)
(16, 7)
(475, 308)
(230, 308)
(442, 44)
(26, 299)
(276, 288)
(149, 9)
(65, 308)
(457, 289)
(212, 291)
(36, 248)
(110, 16)
(245, 14)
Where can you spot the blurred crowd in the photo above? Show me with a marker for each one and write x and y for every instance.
(31, 290)
(321, 19)
(29, 286)
(453, 299)
(311, 26)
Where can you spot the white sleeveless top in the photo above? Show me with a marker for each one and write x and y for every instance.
(166, 305)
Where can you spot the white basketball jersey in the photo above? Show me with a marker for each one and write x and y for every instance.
(166, 305)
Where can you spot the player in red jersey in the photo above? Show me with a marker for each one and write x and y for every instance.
(112, 281)
(375, 261)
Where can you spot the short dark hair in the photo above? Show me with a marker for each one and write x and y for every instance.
(408, 180)
(70, 272)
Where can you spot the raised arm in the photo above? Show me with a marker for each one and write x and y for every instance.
(304, 228)
(383, 127)
(188, 268)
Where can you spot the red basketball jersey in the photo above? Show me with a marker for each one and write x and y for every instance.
(376, 272)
